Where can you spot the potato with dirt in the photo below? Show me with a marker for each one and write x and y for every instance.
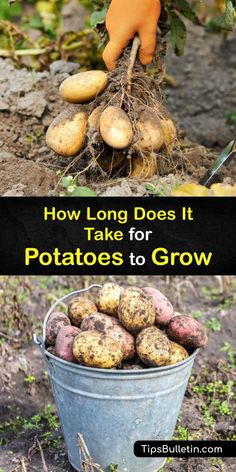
(64, 342)
(54, 323)
(67, 132)
(136, 311)
(178, 353)
(186, 331)
(163, 306)
(108, 298)
(153, 347)
(83, 87)
(115, 128)
(79, 308)
(150, 132)
(94, 349)
(112, 327)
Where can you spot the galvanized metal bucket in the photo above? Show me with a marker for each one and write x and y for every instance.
(114, 408)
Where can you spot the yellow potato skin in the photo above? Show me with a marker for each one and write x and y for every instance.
(153, 347)
(79, 308)
(115, 128)
(94, 349)
(109, 298)
(144, 167)
(169, 131)
(136, 311)
(178, 353)
(94, 118)
(83, 87)
(150, 132)
(67, 132)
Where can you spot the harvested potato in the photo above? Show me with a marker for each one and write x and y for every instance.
(178, 353)
(112, 327)
(151, 137)
(94, 119)
(136, 311)
(94, 349)
(54, 323)
(169, 131)
(115, 128)
(64, 342)
(79, 308)
(163, 306)
(108, 299)
(153, 347)
(144, 167)
(136, 366)
(186, 331)
(67, 132)
(83, 87)
(113, 161)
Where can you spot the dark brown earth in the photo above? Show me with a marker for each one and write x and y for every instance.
(23, 304)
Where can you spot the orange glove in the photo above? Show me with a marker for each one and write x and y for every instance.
(124, 19)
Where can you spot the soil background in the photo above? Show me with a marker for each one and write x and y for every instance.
(201, 100)
(24, 302)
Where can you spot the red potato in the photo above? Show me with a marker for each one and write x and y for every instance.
(64, 342)
(186, 331)
(55, 322)
(163, 306)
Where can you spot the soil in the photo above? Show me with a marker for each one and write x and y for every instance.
(201, 100)
(24, 302)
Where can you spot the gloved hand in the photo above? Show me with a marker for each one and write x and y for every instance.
(124, 19)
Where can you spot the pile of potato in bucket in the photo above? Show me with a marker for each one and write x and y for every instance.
(116, 129)
(125, 328)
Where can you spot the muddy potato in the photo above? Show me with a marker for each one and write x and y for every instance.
(64, 342)
(111, 327)
(79, 308)
(186, 331)
(67, 132)
(108, 299)
(83, 87)
(112, 161)
(94, 349)
(115, 128)
(163, 306)
(178, 353)
(144, 167)
(153, 347)
(169, 131)
(54, 323)
(150, 132)
(136, 311)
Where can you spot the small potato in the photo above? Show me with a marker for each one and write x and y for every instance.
(153, 347)
(164, 308)
(136, 311)
(111, 327)
(115, 128)
(67, 132)
(178, 353)
(64, 342)
(83, 87)
(108, 299)
(94, 349)
(186, 331)
(79, 308)
(54, 323)
(151, 137)
(169, 131)
(144, 167)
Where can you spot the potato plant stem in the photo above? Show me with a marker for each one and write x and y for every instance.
(132, 60)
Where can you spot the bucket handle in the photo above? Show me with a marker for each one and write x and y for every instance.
(40, 340)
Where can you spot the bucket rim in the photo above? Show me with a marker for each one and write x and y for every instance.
(124, 372)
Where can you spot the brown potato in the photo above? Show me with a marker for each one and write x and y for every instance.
(115, 128)
(108, 299)
(94, 349)
(64, 342)
(153, 347)
(79, 308)
(83, 87)
(136, 311)
(54, 323)
(178, 353)
(163, 306)
(186, 331)
(67, 132)
(151, 137)
(112, 327)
